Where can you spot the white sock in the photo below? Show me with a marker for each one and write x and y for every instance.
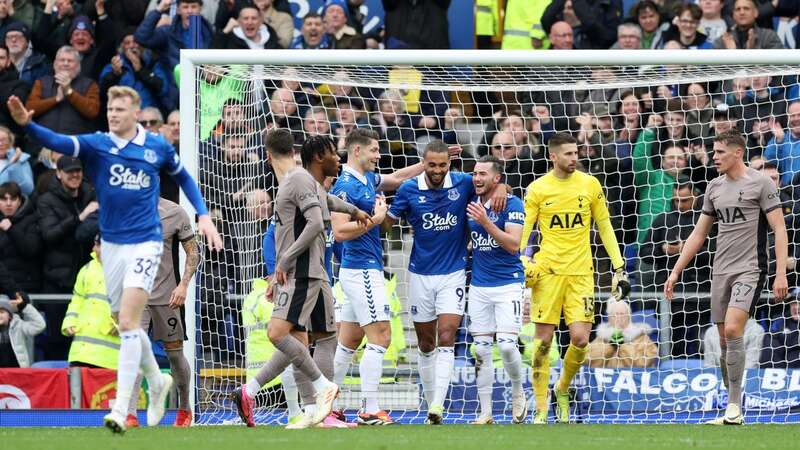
(252, 387)
(130, 355)
(445, 359)
(137, 386)
(320, 384)
(371, 369)
(149, 365)
(341, 362)
(290, 392)
(426, 365)
(512, 360)
(484, 379)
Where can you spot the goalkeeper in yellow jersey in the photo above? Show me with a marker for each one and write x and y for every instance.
(564, 203)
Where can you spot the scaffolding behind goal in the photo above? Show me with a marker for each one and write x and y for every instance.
(645, 122)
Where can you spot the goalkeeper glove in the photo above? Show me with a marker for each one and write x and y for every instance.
(620, 286)
(529, 268)
(617, 338)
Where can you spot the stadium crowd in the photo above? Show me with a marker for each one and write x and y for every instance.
(650, 147)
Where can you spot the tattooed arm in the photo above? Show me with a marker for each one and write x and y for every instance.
(192, 250)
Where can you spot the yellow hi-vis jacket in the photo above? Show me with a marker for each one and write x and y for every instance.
(523, 22)
(256, 312)
(96, 341)
(487, 18)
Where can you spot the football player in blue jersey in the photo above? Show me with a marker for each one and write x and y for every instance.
(435, 204)
(124, 166)
(365, 309)
(496, 288)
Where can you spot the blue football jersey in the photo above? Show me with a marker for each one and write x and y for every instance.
(491, 264)
(268, 249)
(365, 252)
(439, 220)
(125, 175)
(329, 248)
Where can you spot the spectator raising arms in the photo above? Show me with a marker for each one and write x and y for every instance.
(745, 33)
(167, 36)
(30, 64)
(137, 68)
(67, 101)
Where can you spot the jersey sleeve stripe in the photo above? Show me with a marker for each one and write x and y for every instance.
(768, 210)
(76, 145)
(177, 169)
(309, 206)
(712, 214)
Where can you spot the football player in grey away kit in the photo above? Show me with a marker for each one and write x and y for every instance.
(742, 201)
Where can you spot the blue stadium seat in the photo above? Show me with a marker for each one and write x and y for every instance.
(52, 364)
(680, 364)
(649, 317)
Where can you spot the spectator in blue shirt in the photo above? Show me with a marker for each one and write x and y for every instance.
(137, 67)
(783, 149)
(157, 33)
(14, 165)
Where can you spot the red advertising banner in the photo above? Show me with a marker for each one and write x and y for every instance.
(98, 387)
(34, 388)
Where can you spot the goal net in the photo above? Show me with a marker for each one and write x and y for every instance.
(645, 123)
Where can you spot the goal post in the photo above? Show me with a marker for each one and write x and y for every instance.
(645, 121)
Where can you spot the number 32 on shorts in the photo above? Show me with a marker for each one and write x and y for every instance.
(146, 266)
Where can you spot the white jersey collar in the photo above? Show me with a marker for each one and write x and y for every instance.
(355, 174)
(423, 184)
(141, 134)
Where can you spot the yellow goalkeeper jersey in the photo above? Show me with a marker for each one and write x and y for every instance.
(564, 210)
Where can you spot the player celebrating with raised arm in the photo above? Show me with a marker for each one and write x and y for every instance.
(564, 203)
(495, 293)
(302, 208)
(435, 205)
(366, 308)
(742, 201)
(124, 165)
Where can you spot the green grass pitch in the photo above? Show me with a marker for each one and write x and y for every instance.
(413, 437)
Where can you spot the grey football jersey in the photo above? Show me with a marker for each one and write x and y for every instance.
(297, 194)
(175, 223)
(740, 208)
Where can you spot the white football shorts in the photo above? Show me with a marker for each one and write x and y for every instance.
(431, 295)
(129, 266)
(364, 297)
(496, 309)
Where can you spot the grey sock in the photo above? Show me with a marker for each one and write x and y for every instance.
(276, 364)
(298, 355)
(180, 373)
(324, 352)
(304, 387)
(735, 360)
(723, 365)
